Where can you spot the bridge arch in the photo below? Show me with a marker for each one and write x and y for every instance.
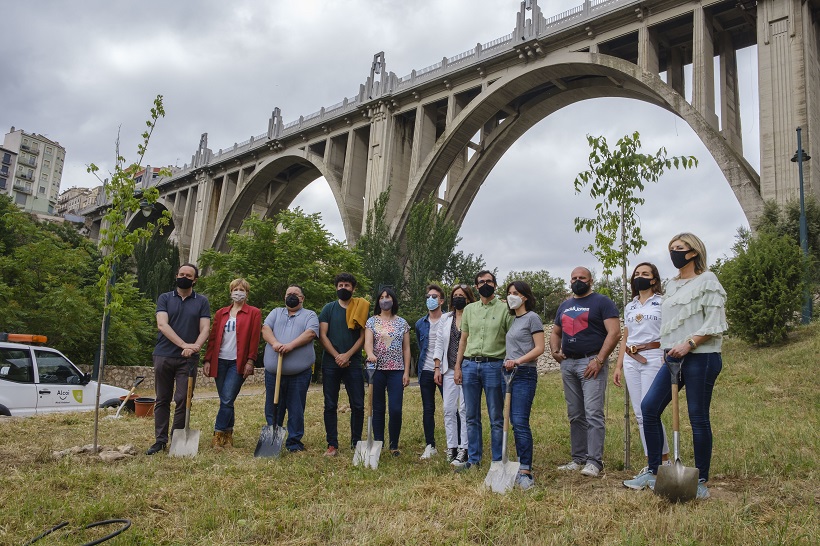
(529, 93)
(139, 220)
(272, 187)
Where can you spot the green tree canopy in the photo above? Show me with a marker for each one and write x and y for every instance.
(549, 291)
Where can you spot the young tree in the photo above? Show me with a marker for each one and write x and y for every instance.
(116, 241)
(614, 176)
(461, 268)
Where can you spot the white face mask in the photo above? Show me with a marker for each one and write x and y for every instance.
(238, 295)
(514, 301)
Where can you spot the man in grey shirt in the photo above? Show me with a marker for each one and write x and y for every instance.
(290, 331)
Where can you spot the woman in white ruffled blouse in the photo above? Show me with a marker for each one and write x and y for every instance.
(694, 319)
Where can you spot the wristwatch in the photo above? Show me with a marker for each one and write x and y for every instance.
(692, 344)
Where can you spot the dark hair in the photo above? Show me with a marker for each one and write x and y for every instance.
(344, 277)
(435, 287)
(525, 290)
(657, 288)
(294, 285)
(485, 272)
(392, 294)
(188, 264)
(468, 292)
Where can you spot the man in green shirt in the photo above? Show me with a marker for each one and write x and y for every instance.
(481, 351)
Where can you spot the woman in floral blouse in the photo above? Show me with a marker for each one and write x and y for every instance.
(387, 344)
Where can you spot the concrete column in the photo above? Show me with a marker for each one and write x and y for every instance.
(201, 202)
(648, 50)
(729, 97)
(788, 81)
(703, 66)
(674, 71)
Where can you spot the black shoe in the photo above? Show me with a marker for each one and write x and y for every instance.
(156, 448)
(451, 454)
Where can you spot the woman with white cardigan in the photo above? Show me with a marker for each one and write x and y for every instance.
(444, 355)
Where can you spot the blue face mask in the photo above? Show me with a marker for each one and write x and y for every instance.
(432, 304)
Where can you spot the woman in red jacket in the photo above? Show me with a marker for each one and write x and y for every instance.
(232, 349)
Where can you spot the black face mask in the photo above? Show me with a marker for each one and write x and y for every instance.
(579, 288)
(486, 290)
(459, 303)
(292, 301)
(679, 258)
(344, 294)
(184, 282)
(641, 283)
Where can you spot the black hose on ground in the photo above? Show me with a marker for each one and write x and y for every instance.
(126, 524)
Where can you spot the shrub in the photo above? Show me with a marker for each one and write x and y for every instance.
(764, 286)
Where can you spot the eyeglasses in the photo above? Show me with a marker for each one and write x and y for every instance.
(434, 295)
(292, 294)
(485, 281)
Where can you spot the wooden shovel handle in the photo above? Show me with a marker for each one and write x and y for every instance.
(675, 416)
(278, 380)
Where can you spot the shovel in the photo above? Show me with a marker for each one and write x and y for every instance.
(368, 453)
(139, 379)
(676, 483)
(502, 474)
(185, 442)
(272, 437)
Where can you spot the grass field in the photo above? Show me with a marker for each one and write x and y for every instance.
(765, 487)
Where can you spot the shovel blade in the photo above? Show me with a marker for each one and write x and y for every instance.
(360, 453)
(373, 455)
(271, 440)
(501, 476)
(367, 454)
(677, 483)
(184, 443)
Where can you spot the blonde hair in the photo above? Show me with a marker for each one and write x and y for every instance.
(240, 284)
(695, 244)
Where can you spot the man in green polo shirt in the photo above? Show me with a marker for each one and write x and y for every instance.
(481, 350)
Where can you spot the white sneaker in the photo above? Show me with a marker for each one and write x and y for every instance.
(429, 451)
(644, 479)
(590, 470)
(571, 466)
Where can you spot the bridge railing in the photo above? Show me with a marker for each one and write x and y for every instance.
(473, 55)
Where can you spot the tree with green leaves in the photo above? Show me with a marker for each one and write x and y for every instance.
(549, 291)
(785, 220)
(156, 261)
(461, 268)
(116, 241)
(379, 250)
(615, 178)
(764, 286)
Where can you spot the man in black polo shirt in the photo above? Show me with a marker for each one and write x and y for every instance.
(183, 320)
(586, 331)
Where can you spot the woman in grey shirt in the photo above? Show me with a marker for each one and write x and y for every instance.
(525, 343)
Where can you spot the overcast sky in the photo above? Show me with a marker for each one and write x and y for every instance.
(75, 72)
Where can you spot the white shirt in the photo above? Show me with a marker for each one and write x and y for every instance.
(228, 349)
(429, 365)
(643, 320)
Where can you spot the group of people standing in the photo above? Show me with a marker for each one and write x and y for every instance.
(463, 353)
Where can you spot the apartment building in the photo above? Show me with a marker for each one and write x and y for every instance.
(35, 179)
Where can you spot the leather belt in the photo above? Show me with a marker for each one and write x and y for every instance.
(481, 359)
(633, 350)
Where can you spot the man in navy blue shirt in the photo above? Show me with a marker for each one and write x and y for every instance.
(587, 329)
(183, 320)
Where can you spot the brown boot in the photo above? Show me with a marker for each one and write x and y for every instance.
(218, 440)
(229, 438)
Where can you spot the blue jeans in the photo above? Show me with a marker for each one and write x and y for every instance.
(387, 382)
(698, 374)
(522, 388)
(228, 383)
(353, 378)
(585, 410)
(475, 377)
(427, 386)
(292, 399)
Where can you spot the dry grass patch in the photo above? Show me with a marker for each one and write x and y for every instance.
(765, 486)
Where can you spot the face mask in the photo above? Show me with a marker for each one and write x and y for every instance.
(459, 303)
(432, 304)
(579, 287)
(344, 294)
(486, 290)
(238, 295)
(679, 258)
(641, 283)
(184, 282)
(292, 301)
(514, 302)
(386, 304)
